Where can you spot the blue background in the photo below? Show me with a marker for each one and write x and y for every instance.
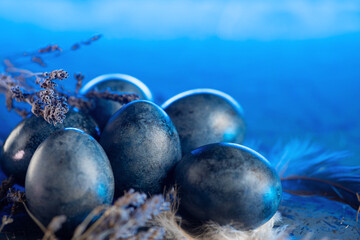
(293, 65)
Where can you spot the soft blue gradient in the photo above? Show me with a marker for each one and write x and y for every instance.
(293, 66)
(102, 191)
(162, 19)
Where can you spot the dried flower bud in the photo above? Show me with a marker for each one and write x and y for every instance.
(38, 60)
(17, 94)
(50, 48)
(76, 46)
(46, 95)
(36, 108)
(15, 196)
(61, 74)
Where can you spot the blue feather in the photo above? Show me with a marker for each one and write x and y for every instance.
(306, 168)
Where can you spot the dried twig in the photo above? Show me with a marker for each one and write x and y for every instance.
(55, 225)
(5, 221)
(38, 60)
(37, 222)
(50, 48)
(22, 112)
(5, 186)
(16, 198)
(53, 50)
(12, 196)
(108, 95)
(79, 78)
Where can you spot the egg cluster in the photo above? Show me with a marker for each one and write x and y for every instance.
(191, 141)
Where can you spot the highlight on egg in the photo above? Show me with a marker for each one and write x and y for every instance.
(228, 184)
(204, 116)
(118, 83)
(24, 139)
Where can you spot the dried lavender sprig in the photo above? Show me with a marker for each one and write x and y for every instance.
(50, 103)
(45, 103)
(108, 95)
(125, 218)
(52, 51)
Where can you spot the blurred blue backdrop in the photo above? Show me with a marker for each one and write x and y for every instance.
(293, 65)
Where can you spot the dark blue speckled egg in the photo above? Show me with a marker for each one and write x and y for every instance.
(143, 146)
(228, 184)
(120, 83)
(69, 174)
(204, 116)
(22, 142)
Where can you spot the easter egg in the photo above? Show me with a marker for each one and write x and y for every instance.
(69, 174)
(228, 184)
(143, 146)
(119, 83)
(29, 133)
(205, 116)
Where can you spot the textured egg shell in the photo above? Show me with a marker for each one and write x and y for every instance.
(69, 175)
(22, 142)
(120, 83)
(142, 145)
(205, 116)
(227, 183)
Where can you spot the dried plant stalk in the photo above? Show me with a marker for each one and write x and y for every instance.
(124, 219)
(53, 227)
(48, 102)
(6, 184)
(5, 221)
(108, 95)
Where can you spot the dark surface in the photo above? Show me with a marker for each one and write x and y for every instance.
(205, 116)
(227, 183)
(143, 146)
(29, 133)
(316, 218)
(70, 175)
(22, 228)
(119, 83)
